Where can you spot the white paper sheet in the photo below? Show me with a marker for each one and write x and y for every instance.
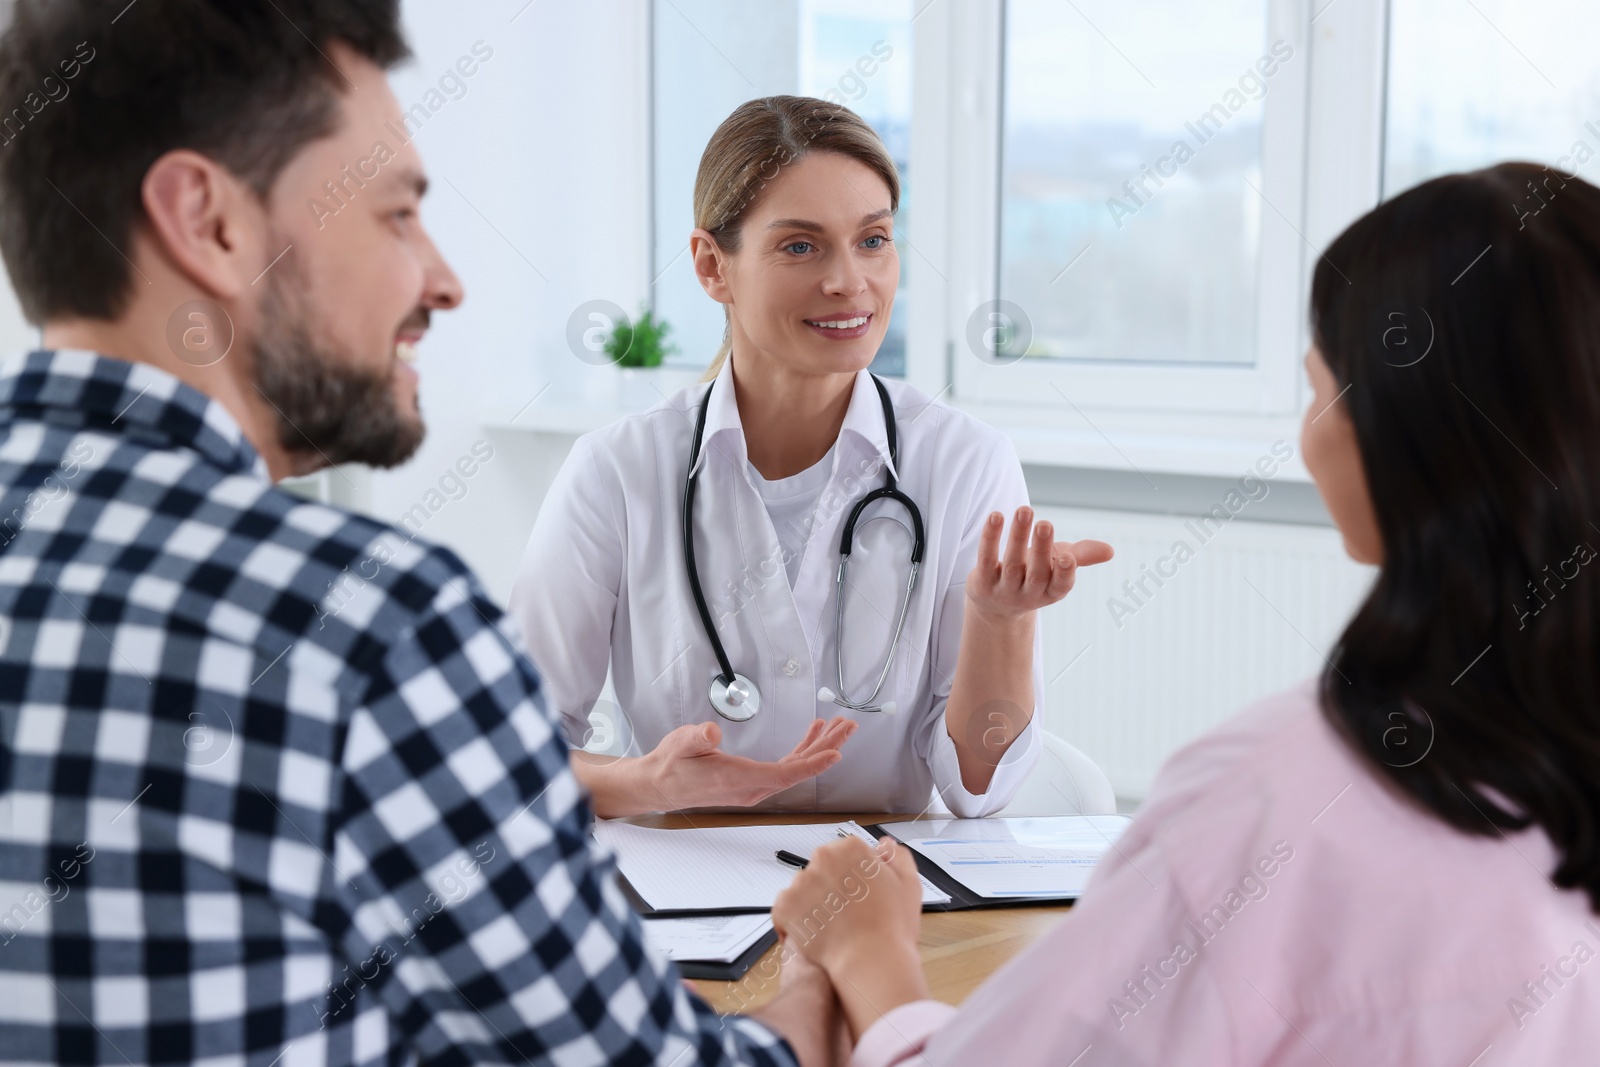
(706, 938)
(719, 867)
(1043, 857)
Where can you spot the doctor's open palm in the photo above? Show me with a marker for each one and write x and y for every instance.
(688, 769)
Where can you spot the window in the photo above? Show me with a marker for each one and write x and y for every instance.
(1128, 226)
(710, 56)
(1140, 246)
(1473, 83)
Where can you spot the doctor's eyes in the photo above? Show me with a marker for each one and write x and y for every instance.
(876, 243)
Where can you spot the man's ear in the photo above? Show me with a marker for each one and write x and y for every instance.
(709, 266)
(200, 217)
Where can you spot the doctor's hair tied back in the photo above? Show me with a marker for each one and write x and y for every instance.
(999, 332)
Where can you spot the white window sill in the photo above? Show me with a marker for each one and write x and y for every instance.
(1224, 446)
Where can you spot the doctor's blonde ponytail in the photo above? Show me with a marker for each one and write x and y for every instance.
(751, 147)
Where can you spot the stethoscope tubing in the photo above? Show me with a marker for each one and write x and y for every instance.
(734, 696)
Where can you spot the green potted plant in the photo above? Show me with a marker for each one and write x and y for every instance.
(637, 349)
(642, 343)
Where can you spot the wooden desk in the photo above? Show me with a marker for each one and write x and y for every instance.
(959, 948)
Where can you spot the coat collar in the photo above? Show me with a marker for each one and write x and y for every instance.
(863, 419)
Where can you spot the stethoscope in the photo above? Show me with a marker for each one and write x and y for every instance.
(736, 697)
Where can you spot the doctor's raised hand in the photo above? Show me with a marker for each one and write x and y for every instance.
(1032, 575)
(991, 695)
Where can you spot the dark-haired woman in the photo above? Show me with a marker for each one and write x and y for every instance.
(1399, 862)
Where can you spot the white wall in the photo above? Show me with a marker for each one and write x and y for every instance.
(1158, 646)
(539, 198)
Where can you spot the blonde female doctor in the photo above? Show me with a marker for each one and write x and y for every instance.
(751, 701)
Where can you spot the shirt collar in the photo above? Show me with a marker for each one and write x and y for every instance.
(863, 418)
(115, 396)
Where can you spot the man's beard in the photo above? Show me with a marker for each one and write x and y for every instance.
(330, 408)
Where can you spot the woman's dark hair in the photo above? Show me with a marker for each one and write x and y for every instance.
(92, 92)
(1464, 318)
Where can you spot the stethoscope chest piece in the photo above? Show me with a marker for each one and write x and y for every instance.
(738, 701)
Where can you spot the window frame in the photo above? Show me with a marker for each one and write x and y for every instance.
(1322, 156)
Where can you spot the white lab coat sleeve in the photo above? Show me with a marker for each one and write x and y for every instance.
(564, 598)
(1000, 488)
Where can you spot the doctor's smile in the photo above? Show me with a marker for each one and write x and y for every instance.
(842, 327)
(866, 679)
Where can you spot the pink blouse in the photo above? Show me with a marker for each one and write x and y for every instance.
(1275, 903)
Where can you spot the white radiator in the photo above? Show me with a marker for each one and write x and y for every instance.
(1132, 675)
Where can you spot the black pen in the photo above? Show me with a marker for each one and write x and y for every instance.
(785, 856)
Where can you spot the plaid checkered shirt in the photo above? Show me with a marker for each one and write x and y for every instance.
(275, 786)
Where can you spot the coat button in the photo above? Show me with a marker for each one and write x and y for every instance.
(791, 667)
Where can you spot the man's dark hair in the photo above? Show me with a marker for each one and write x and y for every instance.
(92, 92)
